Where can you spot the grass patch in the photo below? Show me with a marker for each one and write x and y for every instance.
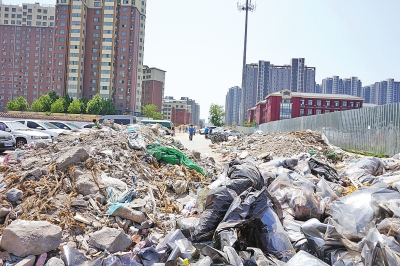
(367, 153)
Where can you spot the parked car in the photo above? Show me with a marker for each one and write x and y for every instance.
(43, 126)
(7, 141)
(234, 133)
(23, 134)
(90, 125)
(65, 125)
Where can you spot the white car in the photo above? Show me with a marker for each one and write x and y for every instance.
(22, 134)
(64, 125)
(43, 126)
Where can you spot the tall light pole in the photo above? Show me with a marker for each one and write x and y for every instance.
(247, 7)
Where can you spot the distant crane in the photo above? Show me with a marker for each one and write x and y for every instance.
(247, 7)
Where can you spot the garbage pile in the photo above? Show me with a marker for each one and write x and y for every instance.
(267, 145)
(132, 196)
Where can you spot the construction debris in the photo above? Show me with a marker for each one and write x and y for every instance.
(117, 195)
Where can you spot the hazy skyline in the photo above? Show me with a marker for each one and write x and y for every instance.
(200, 43)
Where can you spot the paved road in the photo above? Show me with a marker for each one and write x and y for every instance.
(199, 143)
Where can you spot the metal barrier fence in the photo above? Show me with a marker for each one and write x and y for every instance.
(372, 129)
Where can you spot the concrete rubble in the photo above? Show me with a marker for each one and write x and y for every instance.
(104, 197)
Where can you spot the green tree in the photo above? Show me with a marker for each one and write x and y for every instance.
(75, 107)
(95, 105)
(12, 105)
(83, 101)
(20, 104)
(67, 101)
(46, 102)
(37, 106)
(150, 110)
(216, 115)
(108, 107)
(53, 96)
(58, 106)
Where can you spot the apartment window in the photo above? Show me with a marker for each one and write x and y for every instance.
(123, 33)
(351, 104)
(318, 111)
(92, 89)
(309, 111)
(301, 112)
(336, 103)
(95, 19)
(76, 7)
(93, 81)
(97, 12)
(319, 103)
(310, 102)
(327, 111)
(105, 80)
(95, 50)
(344, 103)
(94, 58)
(327, 103)
(95, 42)
(63, 15)
(75, 30)
(120, 97)
(125, 9)
(357, 105)
(94, 66)
(75, 15)
(302, 102)
(97, 4)
(124, 17)
(95, 35)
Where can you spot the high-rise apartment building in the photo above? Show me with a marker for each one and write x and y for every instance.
(249, 92)
(27, 51)
(177, 111)
(195, 110)
(153, 85)
(279, 78)
(84, 47)
(263, 80)
(352, 86)
(302, 77)
(232, 106)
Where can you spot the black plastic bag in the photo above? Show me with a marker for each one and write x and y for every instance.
(243, 176)
(321, 169)
(253, 215)
(217, 203)
(319, 241)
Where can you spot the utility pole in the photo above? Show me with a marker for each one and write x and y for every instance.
(247, 7)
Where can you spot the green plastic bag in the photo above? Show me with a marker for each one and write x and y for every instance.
(172, 156)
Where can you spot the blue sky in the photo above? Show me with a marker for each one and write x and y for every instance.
(200, 43)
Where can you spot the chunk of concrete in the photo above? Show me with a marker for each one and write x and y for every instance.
(23, 238)
(110, 239)
(14, 194)
(85, 184)
(55, 262)
(70, 157)
(127, 213)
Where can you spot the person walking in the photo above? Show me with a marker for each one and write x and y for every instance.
(206, 132)
(191, 132)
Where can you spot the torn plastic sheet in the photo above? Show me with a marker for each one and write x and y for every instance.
(296, 197)
(304, 258)
(289, 163)
(356, 211)
(119, 198)
(253, 215)
(377, 250)
(322, 238)
(366, 170)
(257, 257)
(390, 226)
(136, 142)
(217, 203)
(298, 239)
(343, 257)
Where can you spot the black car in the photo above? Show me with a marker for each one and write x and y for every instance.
(7, 141)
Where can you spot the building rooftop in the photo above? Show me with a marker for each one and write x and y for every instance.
(318, 95)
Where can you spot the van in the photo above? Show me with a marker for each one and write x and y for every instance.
(165, 123)
(118, 119)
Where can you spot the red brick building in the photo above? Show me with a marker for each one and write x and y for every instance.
(287, 104)
(153, 86)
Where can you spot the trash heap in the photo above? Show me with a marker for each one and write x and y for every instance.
(266, 145)
(132, 196)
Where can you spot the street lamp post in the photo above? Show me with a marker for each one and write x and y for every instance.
(247, 7)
